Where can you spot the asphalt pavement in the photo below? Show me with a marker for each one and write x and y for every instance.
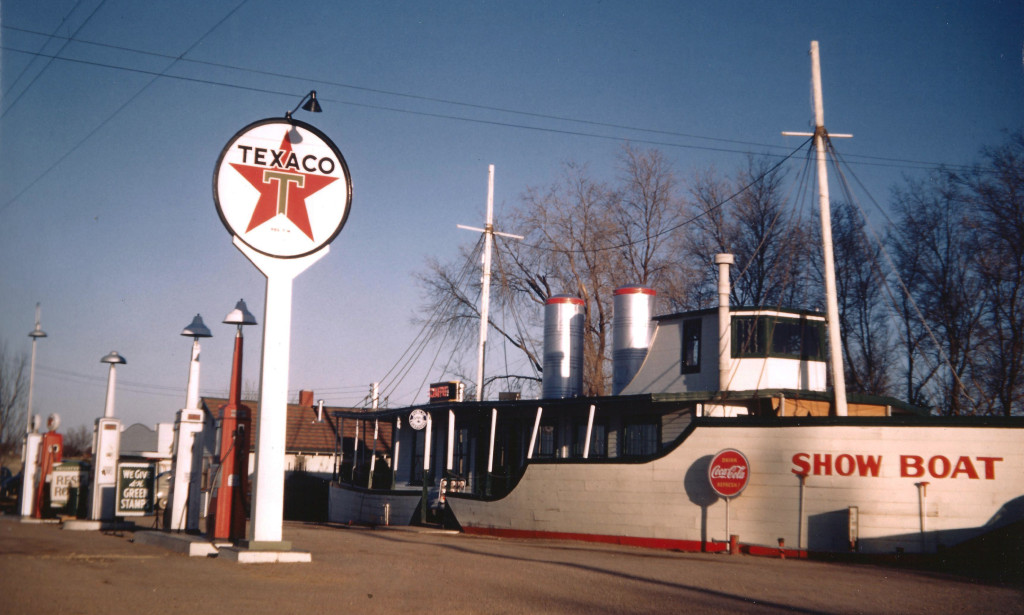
(46, 569)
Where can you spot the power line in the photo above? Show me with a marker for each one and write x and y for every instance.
(879, 160)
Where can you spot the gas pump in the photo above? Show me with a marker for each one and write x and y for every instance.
(51, 451)
(230, 491)
(227, 519)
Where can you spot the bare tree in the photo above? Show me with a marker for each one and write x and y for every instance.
(994, 194)
(13, 395)
(934, 252)
(78, 441)
(868, 351)
(583, 237)
(749, 217)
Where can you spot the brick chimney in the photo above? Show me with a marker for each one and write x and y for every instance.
(305, 398)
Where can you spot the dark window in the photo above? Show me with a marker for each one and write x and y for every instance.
(788, 338)
(460, 452)
(416, 457)
(546, 441)
(747, 337)
(691, 346)
(640, 439)
(598, 440)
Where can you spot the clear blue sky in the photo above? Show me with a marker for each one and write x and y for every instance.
(107, 151)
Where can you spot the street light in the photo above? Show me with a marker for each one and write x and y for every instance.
(183, 511)
(196, 329)
(107, 448)
(114, 360)
(32, 440)
(35, 334)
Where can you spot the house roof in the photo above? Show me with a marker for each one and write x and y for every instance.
(304, 433)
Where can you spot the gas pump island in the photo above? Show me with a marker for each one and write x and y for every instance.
(283, 191)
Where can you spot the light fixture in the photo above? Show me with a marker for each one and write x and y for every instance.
(196, 328)
(113, 358)
(240, 315)
(308, 103)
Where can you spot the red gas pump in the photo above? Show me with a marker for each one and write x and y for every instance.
(227, 518)
(52, 446)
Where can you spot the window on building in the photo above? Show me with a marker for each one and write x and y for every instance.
(546, 441)
(788, 338)
(598, 441)
(640, 439)
(690, 363)
(416, 457)
(460, 453)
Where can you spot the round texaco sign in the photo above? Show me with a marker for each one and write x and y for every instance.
(282, 187)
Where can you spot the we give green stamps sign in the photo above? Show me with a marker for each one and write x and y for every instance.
(135, 482)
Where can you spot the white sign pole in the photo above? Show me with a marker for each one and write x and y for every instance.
(268, 478)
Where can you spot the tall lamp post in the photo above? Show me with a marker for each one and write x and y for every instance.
(32, 440)
(107, 447)
(236, 422)
(183, 511)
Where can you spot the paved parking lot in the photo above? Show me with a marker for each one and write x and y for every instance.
(44, 569)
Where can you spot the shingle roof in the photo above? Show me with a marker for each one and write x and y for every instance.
(303, 434)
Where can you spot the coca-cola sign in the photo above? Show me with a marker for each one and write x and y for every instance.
(728, 473)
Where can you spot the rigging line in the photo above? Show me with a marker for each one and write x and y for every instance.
(506, 293)
(49, 37)
(424, 337)
(906, 291)
(48, 62)
(690, 220)
(116, 112)
(764, 239)
(427, 325)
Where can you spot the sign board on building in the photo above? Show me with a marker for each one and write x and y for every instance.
(135, 482)
(66, 476)
(417, 419)
(446, 391)
(729, 473)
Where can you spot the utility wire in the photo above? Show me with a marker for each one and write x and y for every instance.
(117, 111)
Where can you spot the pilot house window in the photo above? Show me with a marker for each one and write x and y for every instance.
(772, 336)
(690, 363)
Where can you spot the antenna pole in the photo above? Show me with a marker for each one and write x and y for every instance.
(832, 303)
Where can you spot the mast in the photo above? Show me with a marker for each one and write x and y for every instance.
(831, 300)
(485, 287)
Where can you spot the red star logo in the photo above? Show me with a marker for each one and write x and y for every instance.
(283, 191)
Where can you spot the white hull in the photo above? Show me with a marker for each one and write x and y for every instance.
(974, 476)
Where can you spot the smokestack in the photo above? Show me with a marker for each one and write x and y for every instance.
(631, 333)
(724, 320)
(305, 398)
(563, 348)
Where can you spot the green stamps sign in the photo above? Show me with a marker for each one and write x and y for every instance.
(134, 489)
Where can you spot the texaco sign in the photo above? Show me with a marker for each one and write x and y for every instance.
(282, 187)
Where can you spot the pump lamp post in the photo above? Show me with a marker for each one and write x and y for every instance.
(108, 447)
(183, 504)
(28, 471)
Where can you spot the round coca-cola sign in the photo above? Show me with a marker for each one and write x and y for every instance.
(729, 473)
